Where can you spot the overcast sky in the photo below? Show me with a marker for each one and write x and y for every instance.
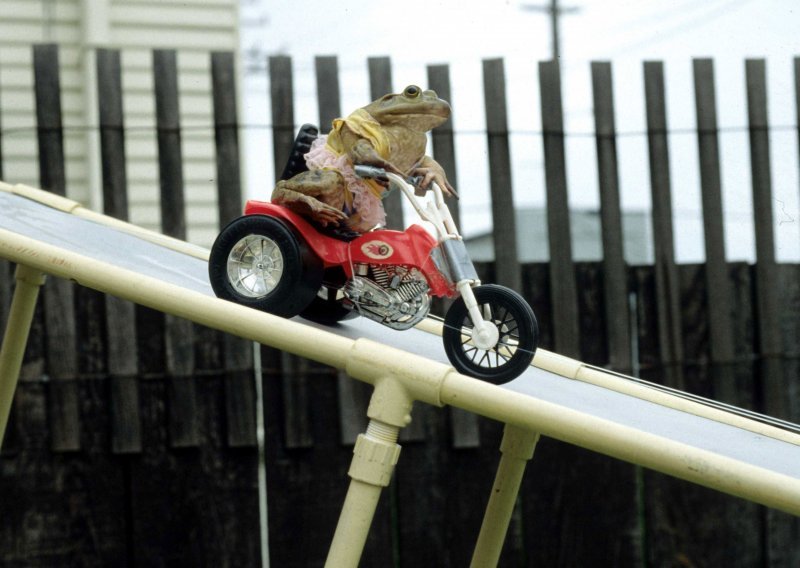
(625, 32)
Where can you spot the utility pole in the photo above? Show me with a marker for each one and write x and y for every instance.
(554, 11)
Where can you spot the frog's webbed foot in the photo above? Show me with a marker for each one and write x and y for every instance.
(301, 199)
(309, 207)
(326, 215)
(431, 171)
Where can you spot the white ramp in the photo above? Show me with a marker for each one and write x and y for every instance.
(557, 397)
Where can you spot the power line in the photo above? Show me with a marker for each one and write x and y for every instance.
(710, 13)
(209, 127)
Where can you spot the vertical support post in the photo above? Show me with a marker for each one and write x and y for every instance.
(517, 450)
(29, 281)
(374, 457)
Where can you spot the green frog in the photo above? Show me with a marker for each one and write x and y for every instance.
(389, 133)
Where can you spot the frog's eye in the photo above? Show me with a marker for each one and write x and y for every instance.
(412, 91)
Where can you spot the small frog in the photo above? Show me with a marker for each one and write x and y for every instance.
(389, 133)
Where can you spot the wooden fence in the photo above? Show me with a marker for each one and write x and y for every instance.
(133, 438)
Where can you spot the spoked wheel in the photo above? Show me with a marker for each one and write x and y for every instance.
(510, 353)
(257, 261)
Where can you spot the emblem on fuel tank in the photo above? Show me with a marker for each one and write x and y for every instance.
(377, 250)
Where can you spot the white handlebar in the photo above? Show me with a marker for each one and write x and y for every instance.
(435, 212)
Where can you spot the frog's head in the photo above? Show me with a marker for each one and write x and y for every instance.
(413, 108)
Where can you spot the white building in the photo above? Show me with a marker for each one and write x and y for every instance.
(192, 27)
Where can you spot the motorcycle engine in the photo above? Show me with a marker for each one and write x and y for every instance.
(395, 296)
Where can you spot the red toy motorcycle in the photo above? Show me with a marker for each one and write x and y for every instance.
(274, 260)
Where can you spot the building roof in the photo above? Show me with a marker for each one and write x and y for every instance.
(533, 243)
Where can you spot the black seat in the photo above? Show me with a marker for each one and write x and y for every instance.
(297, 164)
(302, 144)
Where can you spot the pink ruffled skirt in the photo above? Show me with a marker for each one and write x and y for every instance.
(365, 203)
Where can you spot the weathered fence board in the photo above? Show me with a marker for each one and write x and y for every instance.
(196, 506)
(615, 276)
(667, 288)
(565, 478)
(442, 137)
(687, 523)
(716, 270)
(226, 136)
(2, 167)
(51, 499)
(780, 530)
(5, 292)
(5, 279)
(112, 133)
(769, 341)
(294, 381)
(179, 333)
(464, 425)
(281, 92)
(49, 130)
(240, 393)
(562, 269)
(58, 296)
(506, 264)
(380, 83)
(120, 315)
(170, 154)
(328, 98)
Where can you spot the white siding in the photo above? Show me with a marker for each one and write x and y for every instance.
(24, 23)
(192, 27)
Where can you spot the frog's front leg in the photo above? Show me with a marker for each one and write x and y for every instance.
(432, 171)
(361, 151)
(318, 194)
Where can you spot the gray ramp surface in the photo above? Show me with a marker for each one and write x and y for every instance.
(48, 225)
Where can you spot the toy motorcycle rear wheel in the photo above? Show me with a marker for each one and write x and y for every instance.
(516, 345)
(258, 262)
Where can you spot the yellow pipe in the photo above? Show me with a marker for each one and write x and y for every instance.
(577, 370)
(374, 457)
(354, 524)
(424, 380)
(544, 359)
(29, 281)
(626, 443)
(154, 293)
(517, 449)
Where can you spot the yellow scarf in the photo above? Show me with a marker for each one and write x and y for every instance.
(361, 123)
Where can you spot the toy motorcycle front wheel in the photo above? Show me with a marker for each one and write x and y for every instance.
(517, 340)
(257, 261)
